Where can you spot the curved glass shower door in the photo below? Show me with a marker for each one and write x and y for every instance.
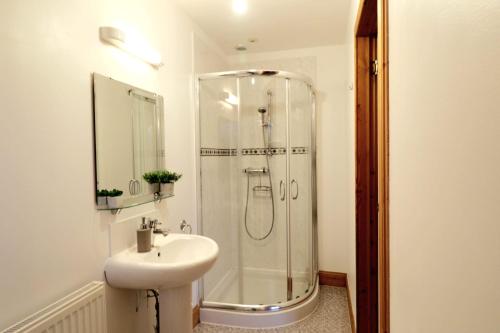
(256, 189)
(301, 187)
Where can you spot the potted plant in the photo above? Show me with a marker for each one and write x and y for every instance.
(152, 178)
(114, 200)
(102, 197)
(167, 180)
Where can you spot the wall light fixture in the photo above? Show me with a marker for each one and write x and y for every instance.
(134, 46)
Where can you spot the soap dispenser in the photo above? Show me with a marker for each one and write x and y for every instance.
(144, 237)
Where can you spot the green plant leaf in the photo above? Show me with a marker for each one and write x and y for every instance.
(115, 193)
(102, 193)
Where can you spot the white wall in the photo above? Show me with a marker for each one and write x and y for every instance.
(53, 240)
(444, 163)
(328, 68)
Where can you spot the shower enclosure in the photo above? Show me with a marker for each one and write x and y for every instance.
(257, 188)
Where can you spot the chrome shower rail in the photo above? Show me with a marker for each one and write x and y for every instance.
(257, 72)
(265, 308)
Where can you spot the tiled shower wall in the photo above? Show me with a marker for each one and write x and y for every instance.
(329, 68)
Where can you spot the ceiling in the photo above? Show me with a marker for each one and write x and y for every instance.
(276, 24)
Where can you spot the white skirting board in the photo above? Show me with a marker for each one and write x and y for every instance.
(83, 311)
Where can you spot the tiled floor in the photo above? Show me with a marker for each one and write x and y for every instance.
(331, 316)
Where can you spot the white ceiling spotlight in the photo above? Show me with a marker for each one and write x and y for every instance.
(240, 47)
(130, 44)
(240, 7)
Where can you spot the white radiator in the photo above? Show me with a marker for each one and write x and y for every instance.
(83, 311)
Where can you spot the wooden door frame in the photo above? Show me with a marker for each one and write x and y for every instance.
(372, 22)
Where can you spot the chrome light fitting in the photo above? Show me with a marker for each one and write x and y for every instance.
(133, 46)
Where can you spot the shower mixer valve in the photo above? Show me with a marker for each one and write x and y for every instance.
(252, 171)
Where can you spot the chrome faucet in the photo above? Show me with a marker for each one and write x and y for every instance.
(153, 224)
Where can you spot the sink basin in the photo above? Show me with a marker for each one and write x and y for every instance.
(175, 260)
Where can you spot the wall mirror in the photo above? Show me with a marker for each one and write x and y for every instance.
(129, 141)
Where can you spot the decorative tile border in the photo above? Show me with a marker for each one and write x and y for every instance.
(263, 151)
(300, 150)
(251, 151)
(218, 152)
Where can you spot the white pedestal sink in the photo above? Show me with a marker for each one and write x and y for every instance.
(174, 262)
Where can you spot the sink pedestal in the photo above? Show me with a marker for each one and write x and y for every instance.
(176, 313)
(175, 262)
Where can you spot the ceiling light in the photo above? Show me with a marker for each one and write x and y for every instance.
(128, 43)
(240, 47)
(240, 7)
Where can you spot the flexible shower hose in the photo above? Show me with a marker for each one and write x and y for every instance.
(272, 194)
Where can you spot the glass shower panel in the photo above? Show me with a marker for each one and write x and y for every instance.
(220, 174)
(262, 142)
(300, 185)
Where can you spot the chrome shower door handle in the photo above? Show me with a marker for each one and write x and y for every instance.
(282, 190)
(294, 197)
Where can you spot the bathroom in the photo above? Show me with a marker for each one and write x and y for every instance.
(277, 56)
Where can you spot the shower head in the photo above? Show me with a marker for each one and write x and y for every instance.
(262, 110)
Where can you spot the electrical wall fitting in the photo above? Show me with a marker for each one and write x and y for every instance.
(130, 44)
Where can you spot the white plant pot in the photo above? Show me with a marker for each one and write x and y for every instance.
(101, 201)
(154, 188)
(167, 189)
(115, 202)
